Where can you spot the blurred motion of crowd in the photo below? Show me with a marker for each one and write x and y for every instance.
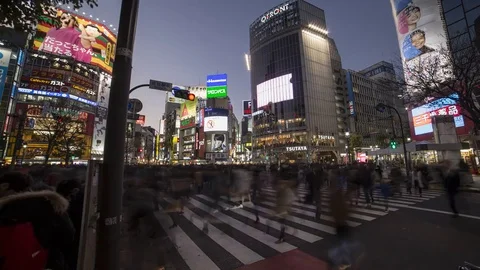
(44, 205)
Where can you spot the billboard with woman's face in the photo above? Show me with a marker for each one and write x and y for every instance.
(63, 33)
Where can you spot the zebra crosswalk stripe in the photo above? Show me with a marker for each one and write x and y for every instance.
(299, 233)
(190, 252)
(259, 235)
(241, 252)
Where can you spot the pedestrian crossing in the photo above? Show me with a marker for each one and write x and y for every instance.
(224, 235)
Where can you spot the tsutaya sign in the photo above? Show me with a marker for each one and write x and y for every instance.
(296, 148)
(274, 12)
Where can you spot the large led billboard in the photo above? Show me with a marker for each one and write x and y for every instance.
(63, 33)
(275, 90)
(217, 86)
(421, 36)
(216, 120)
(422, 116)
(215, 123)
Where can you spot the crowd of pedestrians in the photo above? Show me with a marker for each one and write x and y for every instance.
(42, 206)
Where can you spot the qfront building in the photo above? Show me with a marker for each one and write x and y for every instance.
(297, 88)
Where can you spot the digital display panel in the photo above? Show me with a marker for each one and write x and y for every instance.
(275, 90)
(422, 116)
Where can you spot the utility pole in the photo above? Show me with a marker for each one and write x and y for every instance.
(111, 182)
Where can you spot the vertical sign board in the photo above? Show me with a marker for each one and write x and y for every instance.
(247, 107)
(4, 61)
(217, 86)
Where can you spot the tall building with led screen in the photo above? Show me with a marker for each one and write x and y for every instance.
(294, 98)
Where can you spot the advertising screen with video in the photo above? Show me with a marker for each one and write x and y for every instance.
(422, 116)
(275, 90)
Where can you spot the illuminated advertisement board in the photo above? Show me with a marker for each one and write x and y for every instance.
(56, 93)
(188, 111)
(63, 33)
(421, 34)
(217, 86)
(99, 131)
(247, 107)
(275, 90)
(104, 90)
(274, 12)
(4, 61)
(421, 117)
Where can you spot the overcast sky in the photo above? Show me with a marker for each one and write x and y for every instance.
(181, 41)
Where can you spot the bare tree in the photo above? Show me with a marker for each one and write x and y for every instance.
(23, 15)
(50, 130)
(443, 74)
(72, 142)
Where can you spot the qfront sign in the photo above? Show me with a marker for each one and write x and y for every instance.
(217, 86)
(274, 12)
(296, 148)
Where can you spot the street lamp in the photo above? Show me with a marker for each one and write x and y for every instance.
(381, 108)
(347, 135)
(24, 151)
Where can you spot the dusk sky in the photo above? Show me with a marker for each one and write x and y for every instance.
(181, 41)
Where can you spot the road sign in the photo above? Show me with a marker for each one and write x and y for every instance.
(159, 85)
(134, 105)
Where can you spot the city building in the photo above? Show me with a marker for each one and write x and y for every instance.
(366, 89)
(297, 88)
(183, 122)
(57, 80)
(426, 30)
(459, 17)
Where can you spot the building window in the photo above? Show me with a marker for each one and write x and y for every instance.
(469, 4)
(457, 29)
(454, 15)
(460, 42)
(450, 4)
(472, 15)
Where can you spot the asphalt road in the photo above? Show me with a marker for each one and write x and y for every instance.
(419, 233)
(418, 238)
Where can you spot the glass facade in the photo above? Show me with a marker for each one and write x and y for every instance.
(291, 40)
(460, 17)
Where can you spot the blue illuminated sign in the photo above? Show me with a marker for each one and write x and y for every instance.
(216, 80)
(55, 94)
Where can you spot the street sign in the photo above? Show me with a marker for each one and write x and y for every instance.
(134, 105)
(159, 85)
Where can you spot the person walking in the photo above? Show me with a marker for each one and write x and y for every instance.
(452, 183)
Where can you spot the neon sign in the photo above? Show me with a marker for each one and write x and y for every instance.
(274, 12)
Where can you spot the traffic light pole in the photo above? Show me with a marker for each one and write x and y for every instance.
(111, 182)
(407, 165)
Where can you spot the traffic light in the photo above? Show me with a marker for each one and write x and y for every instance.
(393, 144)
(183, 94)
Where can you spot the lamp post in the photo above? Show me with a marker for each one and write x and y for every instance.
(381, 108)
(347, 135)
(24, 151)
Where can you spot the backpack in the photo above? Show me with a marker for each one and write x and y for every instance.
(20, 249)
